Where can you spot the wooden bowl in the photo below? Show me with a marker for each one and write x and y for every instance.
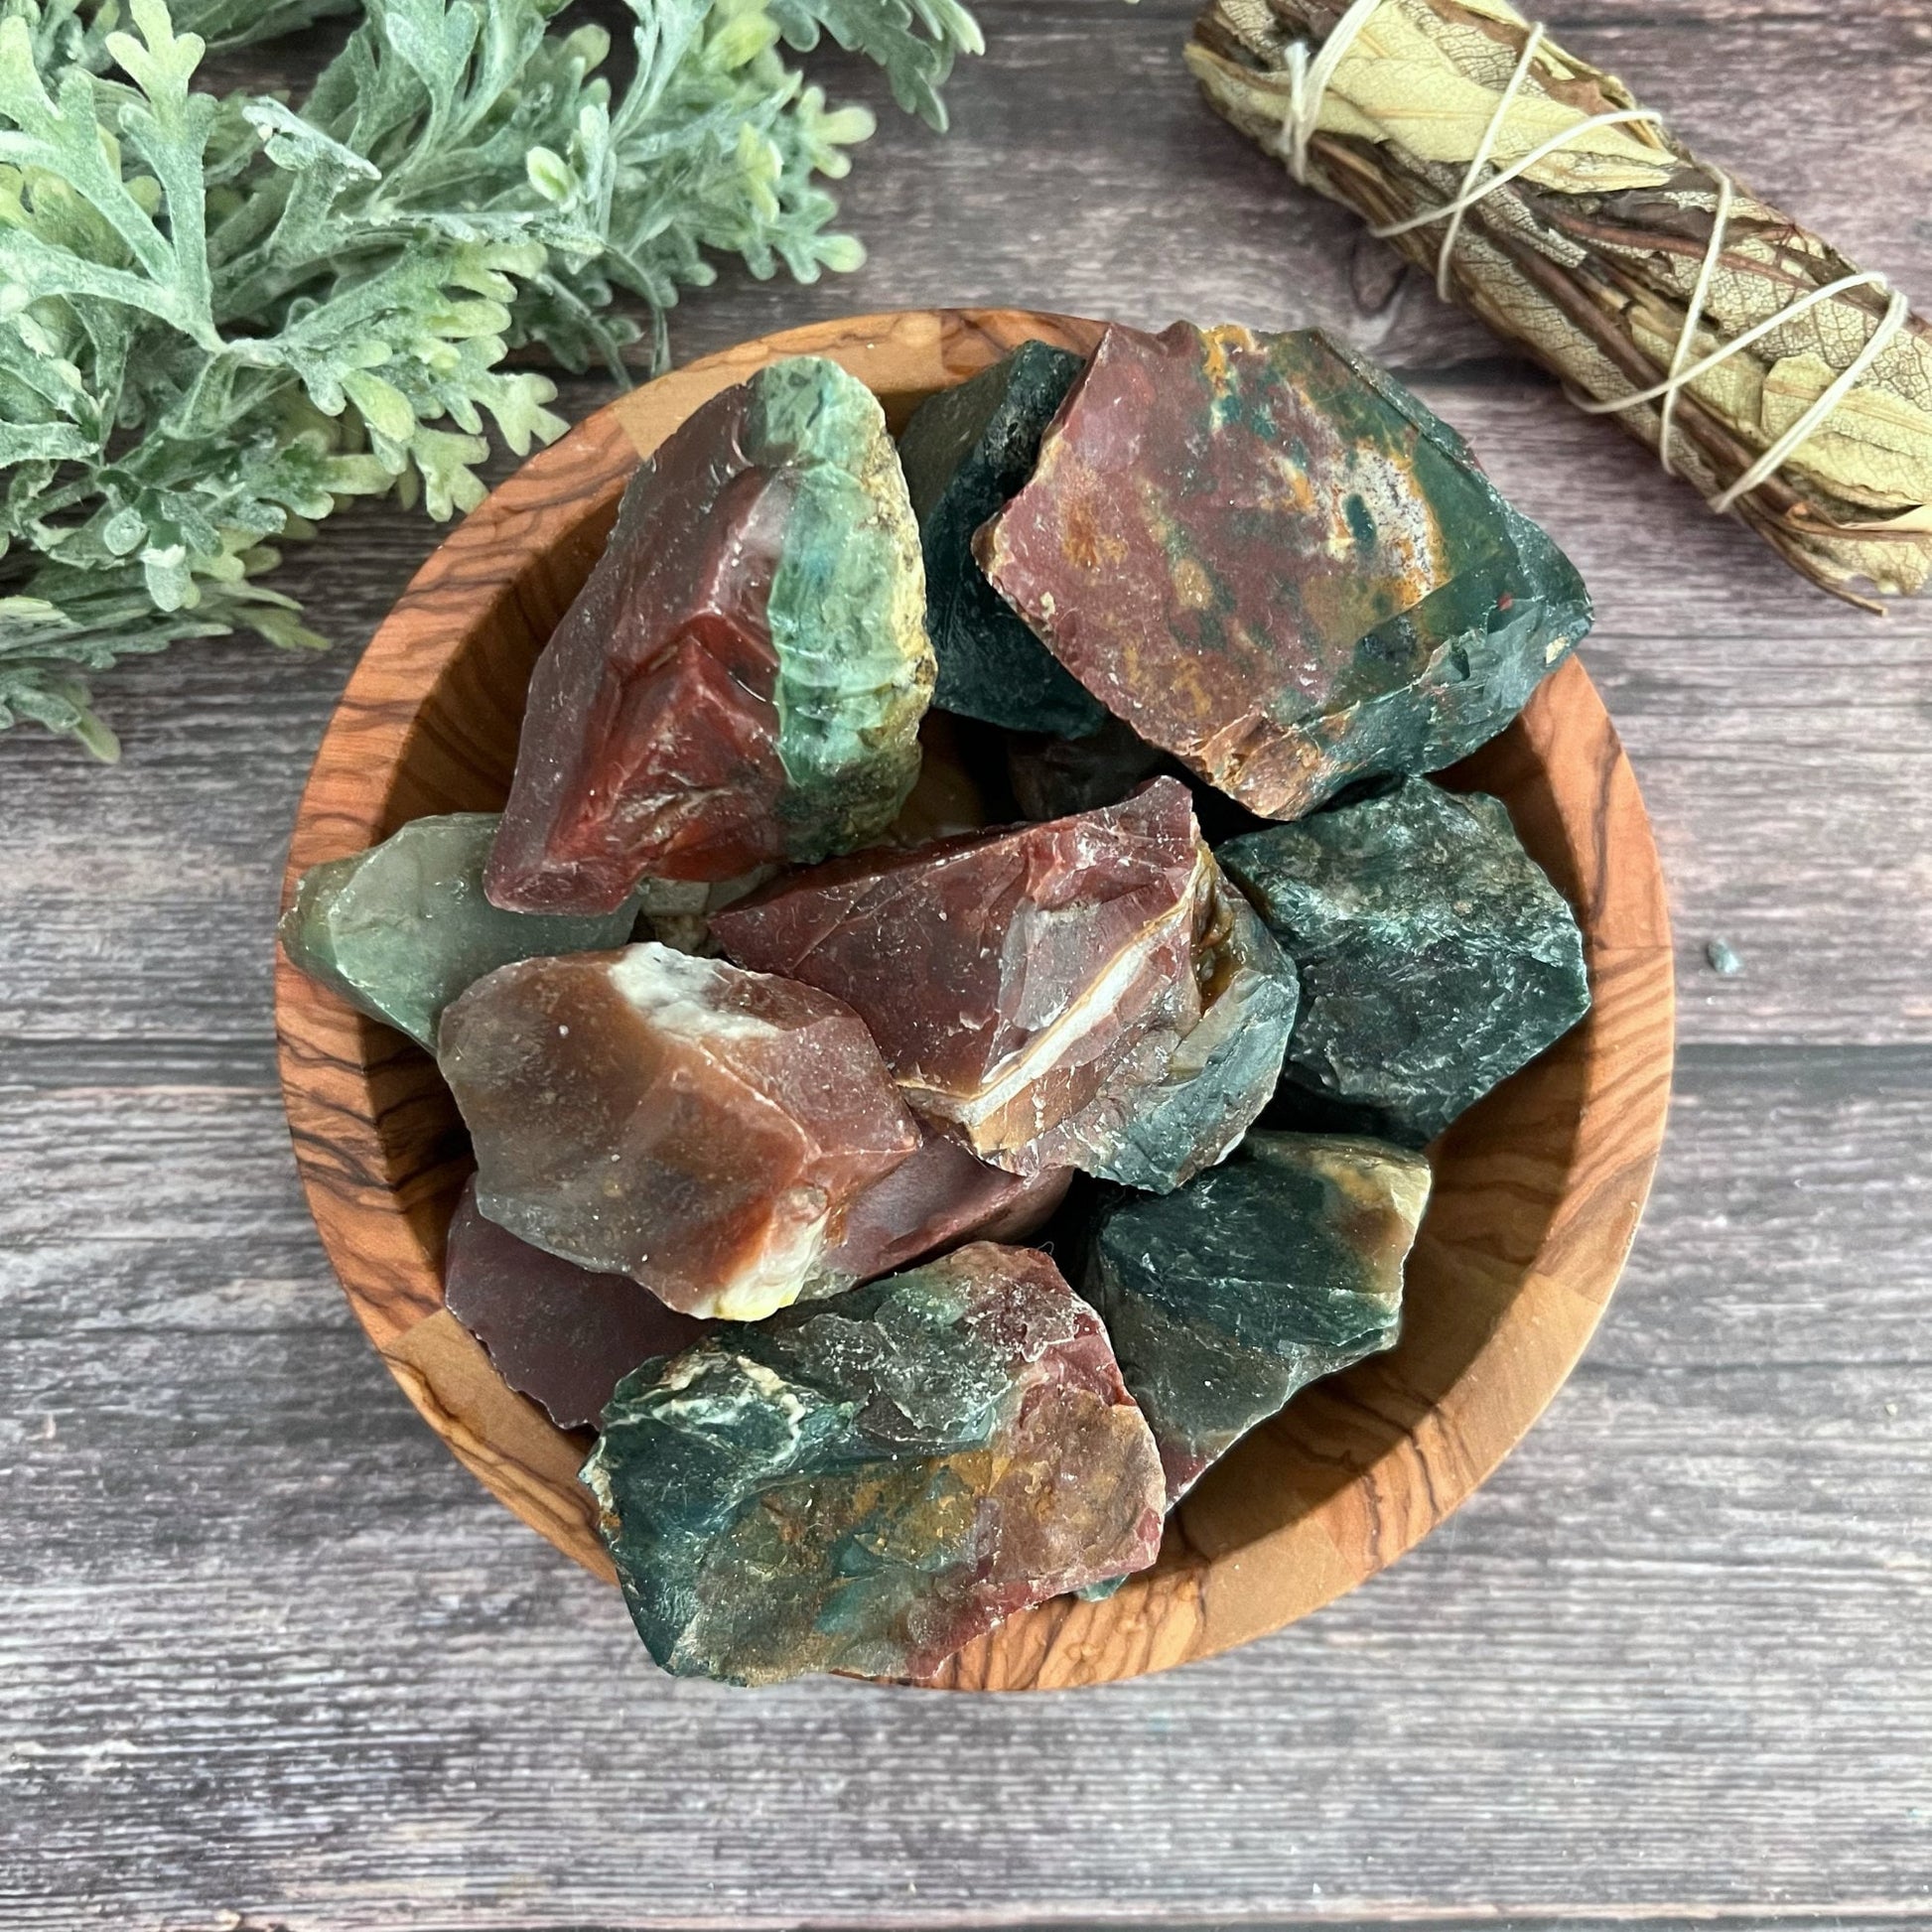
(1537, 1192)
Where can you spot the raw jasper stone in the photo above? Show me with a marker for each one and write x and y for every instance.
(557, 1333)
(1013, 980)
(399, 931)
(1280, 1266)
(1224, 1074)
(966, 451)
(1271, 559)
(700, 1129)
(1436, 958)
(871, 1483)
(743, 676)
(938, 1199)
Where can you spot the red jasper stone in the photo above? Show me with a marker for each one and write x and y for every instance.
(1013, 979)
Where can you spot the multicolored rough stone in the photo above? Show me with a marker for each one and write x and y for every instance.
(399, 931)
(741, 679)
(698, 1127)
(1223, 1300)
(1224, 1071)
(1020, 983)
(966, 451)
(557, 1333)
(868, 1484)
(1436, 957)
(1272, 561)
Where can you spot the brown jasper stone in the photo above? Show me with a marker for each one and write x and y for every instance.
(698, 1127)
(1013, 980)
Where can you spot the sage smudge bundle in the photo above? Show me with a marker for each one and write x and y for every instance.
(1783, 383)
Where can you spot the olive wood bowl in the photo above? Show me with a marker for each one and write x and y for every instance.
(1538, 1189)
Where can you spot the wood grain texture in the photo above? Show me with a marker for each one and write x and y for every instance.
(327, 1679)
(1601, 1651)
(265, 1649)
(1537, 1192)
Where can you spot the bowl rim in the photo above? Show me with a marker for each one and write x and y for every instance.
(1212, 1589)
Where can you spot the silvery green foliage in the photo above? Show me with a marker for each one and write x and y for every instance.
(220, 316)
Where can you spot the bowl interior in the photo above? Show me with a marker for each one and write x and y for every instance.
(1537, 1190)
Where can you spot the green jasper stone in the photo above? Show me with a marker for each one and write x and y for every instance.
(966, 451)
(401, 929)
(1223, 1300)
(847, 610)
(1436, 957)
(871, 1483)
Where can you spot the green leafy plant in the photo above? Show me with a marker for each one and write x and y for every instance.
(222, 316)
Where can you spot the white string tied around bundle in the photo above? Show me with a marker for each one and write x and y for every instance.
(1309, 77)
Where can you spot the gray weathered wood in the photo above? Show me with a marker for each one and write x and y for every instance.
(265, 1651)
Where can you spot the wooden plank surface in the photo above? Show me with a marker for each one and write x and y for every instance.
(268, 1658)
